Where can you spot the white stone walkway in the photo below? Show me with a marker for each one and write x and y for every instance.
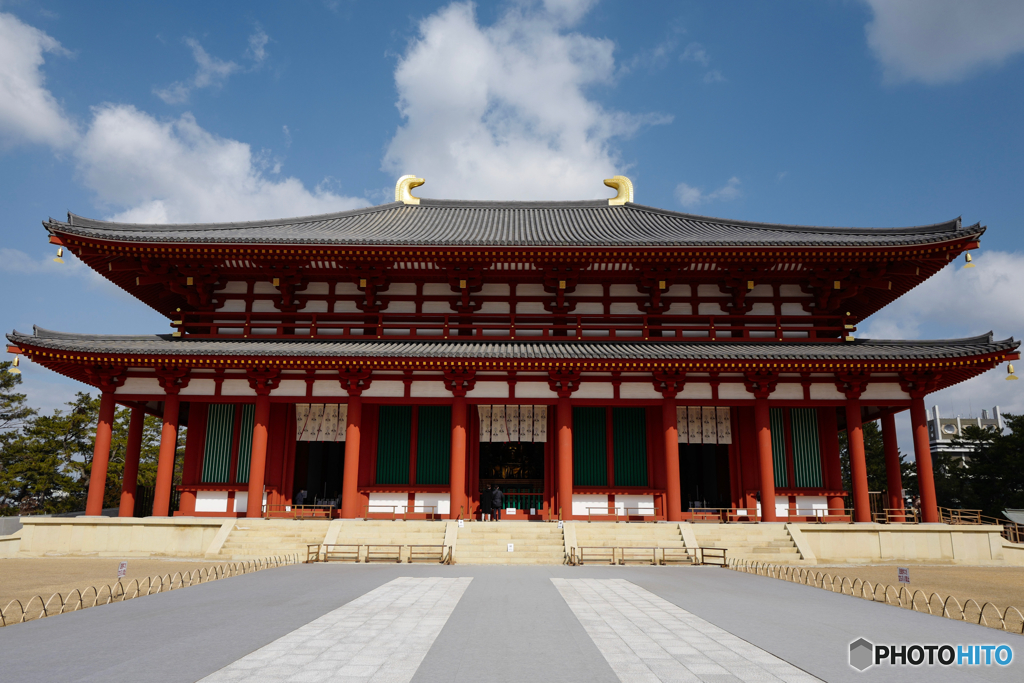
(380, 637)
(646, 639)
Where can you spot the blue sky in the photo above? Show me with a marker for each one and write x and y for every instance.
(857, 112)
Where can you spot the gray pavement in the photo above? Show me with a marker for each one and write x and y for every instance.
(511, 624)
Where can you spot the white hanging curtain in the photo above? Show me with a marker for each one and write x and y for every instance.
(321, 422)
(503, 424)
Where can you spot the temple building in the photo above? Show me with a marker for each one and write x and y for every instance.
(588, 357)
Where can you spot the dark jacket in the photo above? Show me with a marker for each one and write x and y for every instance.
(486, 497)
(497, 498)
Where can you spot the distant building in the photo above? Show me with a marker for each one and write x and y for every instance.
(944, 431)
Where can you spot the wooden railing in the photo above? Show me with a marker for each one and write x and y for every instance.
(524, 327)
(393, 510)
(589, 554)
(603, 512)
(298, 511)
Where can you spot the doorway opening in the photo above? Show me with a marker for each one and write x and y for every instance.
(319, 469)
(704, 476)
(516, 467)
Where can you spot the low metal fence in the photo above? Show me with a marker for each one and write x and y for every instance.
(17, 612)
(987, 614)
(627, 514)
(622, 555)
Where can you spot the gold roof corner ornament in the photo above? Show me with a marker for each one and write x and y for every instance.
(625, 188)
(403, 189)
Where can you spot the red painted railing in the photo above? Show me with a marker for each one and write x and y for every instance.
(520, 327)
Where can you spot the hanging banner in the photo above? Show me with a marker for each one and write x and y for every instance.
(709, 425)
(502, 424)
(512, 422)
(682, 424)
(485, 423)
(320, 422)
(694, 424)
(540, 424)
(724, 425)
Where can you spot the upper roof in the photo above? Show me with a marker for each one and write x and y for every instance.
(451, 223)
(859, 350)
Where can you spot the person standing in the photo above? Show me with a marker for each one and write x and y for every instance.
(486, 501)
(497, 499)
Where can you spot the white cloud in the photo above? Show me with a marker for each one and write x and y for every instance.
(258, 46)
(690, 196)
(714, 76)
(28, 111)
(211, 72)
(943, 41)
(500, 111)
(695, 52)
(155, 171)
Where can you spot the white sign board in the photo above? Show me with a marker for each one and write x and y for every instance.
(510, 511)
(462, 523)
(122, 570)
(559, 524)
(533, 511)
(511, 547)
(904, 574)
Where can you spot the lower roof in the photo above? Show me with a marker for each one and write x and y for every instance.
(858, 350)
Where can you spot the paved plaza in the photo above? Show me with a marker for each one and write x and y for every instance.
(464, 623)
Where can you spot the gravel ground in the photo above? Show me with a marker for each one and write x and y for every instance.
(22, 578)
(1003, 586)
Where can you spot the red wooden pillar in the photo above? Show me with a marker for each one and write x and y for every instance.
(350, 478)
(130, 480)
(258, 459)
(168, 451)
(674, 513)
(101, 455)
(893, 474)
(923, 454)
(858, 463)
(564, 428)
(831, 467)
(457, 473)
(763, 427)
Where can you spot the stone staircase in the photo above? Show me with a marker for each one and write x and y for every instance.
(389, 532)
(259, 538)
(487, 543)
(623, 535)
(751, 542)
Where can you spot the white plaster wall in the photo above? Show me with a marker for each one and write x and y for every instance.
(628, 504)
(140, 385)
(383, 502)
(640, 390)
(792, 291)
(436, 307)
(345, 307)
(530, 308)
(709, 290)
(211, 501)
(314, 306)
(692, 392)
(734, 392)
(534, 390)
(290, 387)
(761, 290)
(589, 308)
(346, 288)
(678, 290)
(402, 289)
(495, 289)
(494, 307)
(264, 288)
(530, 289)
(709, 309)
(233, 306)
(385, 388)
(233, 287)
(826, 392)
(787, 392)
(440, 501)
(624, 290)
(489, 390)
(236, 387)
(330, 387)
(810, 505)
(623, 308)
(200, 387)
(401, 307)
(878, 392)
(581, 502)
(429, 389)
(595, 390)
(793, 309)
(263, 306)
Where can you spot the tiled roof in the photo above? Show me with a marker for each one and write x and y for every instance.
(446, 223)
(862, 349)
